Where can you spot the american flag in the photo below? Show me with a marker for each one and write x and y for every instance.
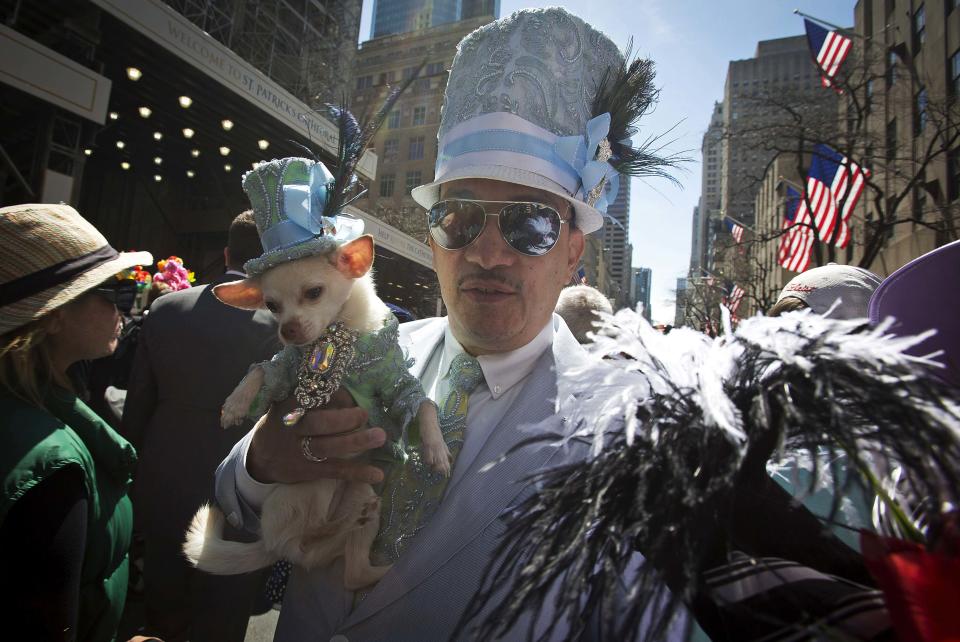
(735, 229)
(828, 48)
(581, 276)
(796, 242)
(734, 296)
(846, 180)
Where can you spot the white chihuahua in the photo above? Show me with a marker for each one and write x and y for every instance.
(313, 523)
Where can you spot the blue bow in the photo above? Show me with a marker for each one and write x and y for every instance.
(303, 204)
(580, 152)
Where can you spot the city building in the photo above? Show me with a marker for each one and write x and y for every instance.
(707, 216)
(406, 145)
(595, 265)
(617, 251)
(133, 113)
(767, 277)
(899, 121)
(910, 89)
(682, 295)
(305, 46)
(640, 286)
(754, 118)
(755, 122)
(391, 17)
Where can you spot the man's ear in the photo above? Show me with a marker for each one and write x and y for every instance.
(245, 294)
(354, 259)
(575, 246)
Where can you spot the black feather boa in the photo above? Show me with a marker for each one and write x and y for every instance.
(684, 432)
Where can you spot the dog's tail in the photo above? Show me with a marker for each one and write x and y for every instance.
(208, 551)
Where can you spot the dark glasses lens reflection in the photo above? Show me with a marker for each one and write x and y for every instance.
(455, 224)
(530, 228)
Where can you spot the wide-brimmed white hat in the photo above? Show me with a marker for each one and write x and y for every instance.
(50, 255)
(519, 107)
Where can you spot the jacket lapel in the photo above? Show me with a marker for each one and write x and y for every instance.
(482, 495)
(419, 340)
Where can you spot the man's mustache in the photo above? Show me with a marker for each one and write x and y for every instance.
(490, 276)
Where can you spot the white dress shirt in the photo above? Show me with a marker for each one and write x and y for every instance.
(502, 373)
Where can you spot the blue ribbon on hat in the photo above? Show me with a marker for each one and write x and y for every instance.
(303, 207)
(580, 152)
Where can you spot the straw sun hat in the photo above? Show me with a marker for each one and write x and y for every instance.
(49, 255)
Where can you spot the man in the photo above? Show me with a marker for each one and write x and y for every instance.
(580, 307)
(507, 213)
(193, 350)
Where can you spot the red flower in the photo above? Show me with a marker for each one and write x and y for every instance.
(921, 588)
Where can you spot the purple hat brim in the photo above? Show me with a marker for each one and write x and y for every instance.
(916, 297)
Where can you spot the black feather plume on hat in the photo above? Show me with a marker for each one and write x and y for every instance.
(354, 138)
(688, 428)
(627, 93)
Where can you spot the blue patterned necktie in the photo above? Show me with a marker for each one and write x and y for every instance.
(412, 491)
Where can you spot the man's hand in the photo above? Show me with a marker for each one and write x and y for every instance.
(339, 432)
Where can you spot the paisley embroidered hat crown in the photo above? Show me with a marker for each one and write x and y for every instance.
(544, 100)
(288, 197)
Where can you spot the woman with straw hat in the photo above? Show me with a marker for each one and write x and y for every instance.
(65, 519)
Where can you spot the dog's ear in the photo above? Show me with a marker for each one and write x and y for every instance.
(355, 258)
(245, 294)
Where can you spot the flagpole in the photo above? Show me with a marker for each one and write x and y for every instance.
(845, 30)
(743, 225)
(790, 183)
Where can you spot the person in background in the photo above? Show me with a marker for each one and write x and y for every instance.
(820, 288)
(65, 518)
(192, 351)
(579, 306)
(839, 292)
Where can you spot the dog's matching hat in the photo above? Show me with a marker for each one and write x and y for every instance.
(289, 197)
(544, 100)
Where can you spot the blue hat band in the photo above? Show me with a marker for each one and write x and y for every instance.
(506, 140)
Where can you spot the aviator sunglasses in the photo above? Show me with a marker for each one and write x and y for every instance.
(532, 229)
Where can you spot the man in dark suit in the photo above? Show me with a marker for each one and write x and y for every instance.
(192, 352)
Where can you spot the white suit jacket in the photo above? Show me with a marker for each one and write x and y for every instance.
(423, 596)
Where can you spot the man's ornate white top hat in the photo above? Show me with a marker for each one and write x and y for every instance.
(544, 100)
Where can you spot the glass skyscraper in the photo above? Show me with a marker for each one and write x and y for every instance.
(402, 16)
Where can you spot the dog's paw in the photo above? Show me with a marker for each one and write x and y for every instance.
(232, 414)
(437, 456)
(236, 406)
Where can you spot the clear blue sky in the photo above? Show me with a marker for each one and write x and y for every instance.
(691, 41)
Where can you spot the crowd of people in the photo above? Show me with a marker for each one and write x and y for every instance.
(518, 185)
